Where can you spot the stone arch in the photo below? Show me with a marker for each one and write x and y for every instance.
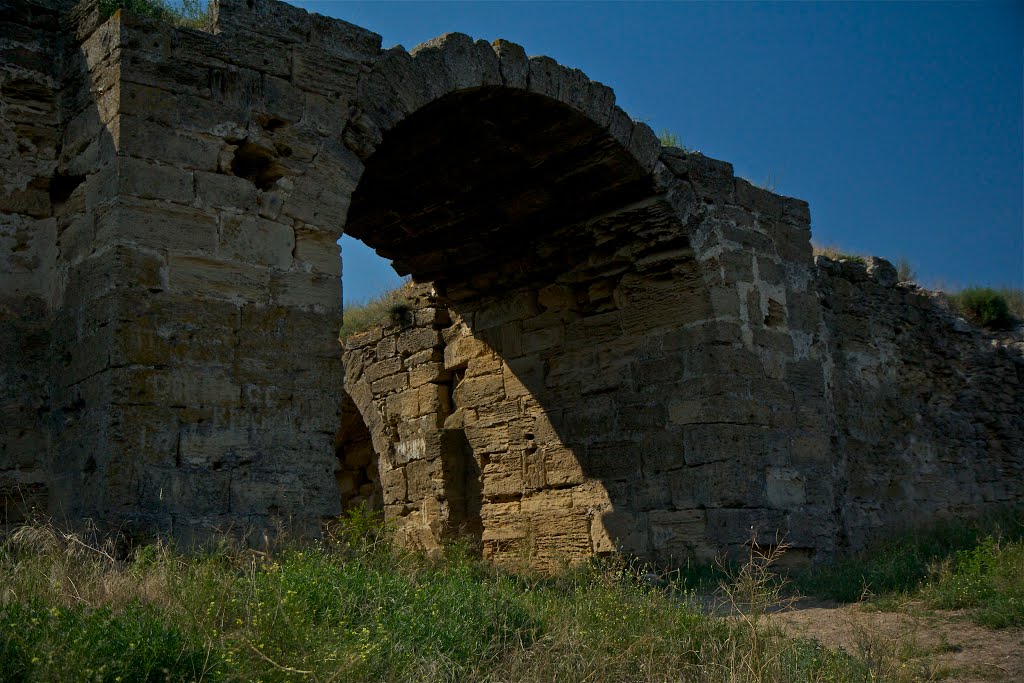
(576, 230)
(602, 381)
(671, 376)
(655, 275)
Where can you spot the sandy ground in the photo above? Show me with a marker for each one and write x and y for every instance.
(940, 645)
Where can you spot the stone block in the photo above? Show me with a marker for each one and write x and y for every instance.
(487, 438)
(256, 241)
(150, 140)
(403, 405)
(158, 225)
(675, 532)
(317, 70)
(785, 487)
(418, 339)
(478, 391)
(318, 251)
(211, 277)
(422, 478)
(503, 478)
(390, 384)
(309, 291)
(219, 190)
(147, 180)
(382, 369)
(459, 352)
(619, 459)
(516, 307)
(561, 466)
(429, 372)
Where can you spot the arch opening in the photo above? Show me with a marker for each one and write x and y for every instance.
(525, 403)
(480, 190)
(357, 473)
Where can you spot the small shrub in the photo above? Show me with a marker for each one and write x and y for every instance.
(1015, 300)
(983, 306)
(905, 271)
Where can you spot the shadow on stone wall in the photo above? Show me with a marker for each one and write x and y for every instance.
(583, 358)
(60, 270)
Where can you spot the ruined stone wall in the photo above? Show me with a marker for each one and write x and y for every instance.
(665, 396)
(29, 135)
(930, 409)
(55, 151)
(926, 409)
(621, 346)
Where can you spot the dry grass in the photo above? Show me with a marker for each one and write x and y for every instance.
(388, 308)
(356, 610)
(836, 254)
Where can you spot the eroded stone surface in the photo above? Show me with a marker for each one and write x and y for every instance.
(613, 346)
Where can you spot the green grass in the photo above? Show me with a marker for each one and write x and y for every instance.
(670, 139)
(185, 13)
(987, 307)
(836, 254)
(388, 308)
(354, 608)
(976, 565)
(987, 579)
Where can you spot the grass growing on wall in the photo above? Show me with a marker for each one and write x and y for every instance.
(987, 307)
(993, 308)
(388, 308)
(836, 254)
(185, 13)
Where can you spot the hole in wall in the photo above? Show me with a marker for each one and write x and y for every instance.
(272, 123)
(62, 187)
(256, 164)
(776, 314)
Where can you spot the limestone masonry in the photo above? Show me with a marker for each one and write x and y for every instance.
(611, 346)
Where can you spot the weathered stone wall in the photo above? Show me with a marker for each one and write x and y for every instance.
(930, 410)
(926, 412)
(56, 150)
(641, 400)
(621, 347)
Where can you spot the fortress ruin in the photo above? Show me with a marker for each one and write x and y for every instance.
(612, 346)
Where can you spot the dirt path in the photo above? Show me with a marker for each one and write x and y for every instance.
(939, 645)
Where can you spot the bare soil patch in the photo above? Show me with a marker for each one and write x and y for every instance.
(941, 645)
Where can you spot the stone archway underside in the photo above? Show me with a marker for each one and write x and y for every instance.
(626, 346)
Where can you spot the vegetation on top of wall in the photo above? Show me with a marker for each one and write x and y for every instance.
(835, 253)
(905, 271)
(996, 309)
(992, 308)
(670, 139)
(186, 13)
(388, 308)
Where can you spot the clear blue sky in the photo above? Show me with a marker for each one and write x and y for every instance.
(900, 123)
